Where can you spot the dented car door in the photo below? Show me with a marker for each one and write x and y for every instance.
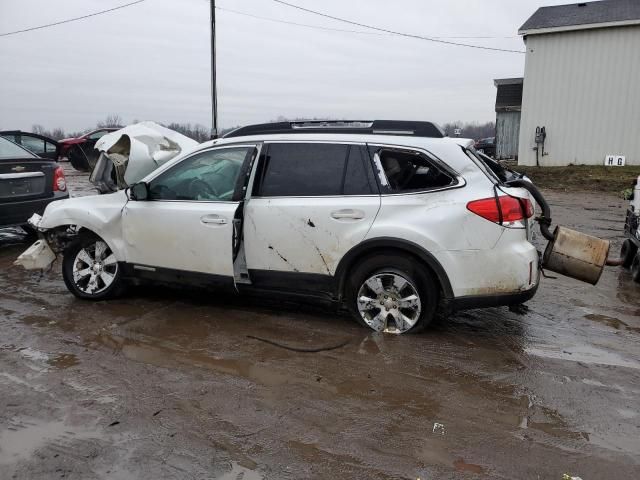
(310, 204)
(187, 223)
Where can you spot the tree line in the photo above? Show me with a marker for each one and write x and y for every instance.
(200, 133)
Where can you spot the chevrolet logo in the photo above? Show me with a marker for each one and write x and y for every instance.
(18, 168)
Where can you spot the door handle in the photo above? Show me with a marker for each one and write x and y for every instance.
(215, 219)
(347, 213)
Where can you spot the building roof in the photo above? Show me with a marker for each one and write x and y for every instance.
(509, 94)
(578, 16)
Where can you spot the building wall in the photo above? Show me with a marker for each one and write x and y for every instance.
(584, 87)
(507, 132)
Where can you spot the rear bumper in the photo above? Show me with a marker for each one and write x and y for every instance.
(496, 300)
(17, 213)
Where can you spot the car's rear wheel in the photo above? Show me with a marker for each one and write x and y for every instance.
(635, 268)
(90, 269)
(628, 252)
(392, 293)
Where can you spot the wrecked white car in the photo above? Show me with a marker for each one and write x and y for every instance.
(389, 218)
(129, 154)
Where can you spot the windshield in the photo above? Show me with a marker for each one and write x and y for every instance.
(9, 149)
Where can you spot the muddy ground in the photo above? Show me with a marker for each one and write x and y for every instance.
(166, 384)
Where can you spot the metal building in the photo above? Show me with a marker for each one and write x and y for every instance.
(508, 106)
(582, 84)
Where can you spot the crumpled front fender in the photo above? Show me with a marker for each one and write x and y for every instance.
(101, 214)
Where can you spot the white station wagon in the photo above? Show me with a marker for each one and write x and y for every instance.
(392, 219)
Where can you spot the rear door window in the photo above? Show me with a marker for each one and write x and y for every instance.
(409, 171)
(312, 169)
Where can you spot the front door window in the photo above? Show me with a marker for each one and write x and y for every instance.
(209, 176)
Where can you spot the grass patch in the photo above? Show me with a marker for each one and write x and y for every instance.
(595, 178)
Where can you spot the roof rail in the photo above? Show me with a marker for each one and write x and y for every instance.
(368, 127)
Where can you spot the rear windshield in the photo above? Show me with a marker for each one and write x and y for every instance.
(11, 150)
(495, 177)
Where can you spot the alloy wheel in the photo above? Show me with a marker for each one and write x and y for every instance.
(94, 268)
(390, 303)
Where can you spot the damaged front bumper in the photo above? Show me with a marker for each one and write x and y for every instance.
(39, 255)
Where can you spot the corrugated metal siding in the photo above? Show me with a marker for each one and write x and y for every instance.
(584, 87)
(507, 132)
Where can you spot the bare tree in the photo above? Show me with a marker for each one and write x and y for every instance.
(112, 120)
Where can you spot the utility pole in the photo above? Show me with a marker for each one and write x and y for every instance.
(214, 91)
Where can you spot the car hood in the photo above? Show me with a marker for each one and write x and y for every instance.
(134, 152)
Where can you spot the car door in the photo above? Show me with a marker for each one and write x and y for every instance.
(187, 223)
(39, 145)
(310, 204)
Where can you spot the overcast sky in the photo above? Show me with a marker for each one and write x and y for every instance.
(150, 61)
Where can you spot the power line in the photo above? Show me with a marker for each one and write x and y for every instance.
(71, 19)
(318, 27)
(394, 32)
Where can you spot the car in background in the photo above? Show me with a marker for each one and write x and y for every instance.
(486, 146)
(81, 150)
(28, 183)
(42, 146)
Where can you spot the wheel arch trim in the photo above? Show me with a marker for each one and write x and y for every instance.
(406, 246)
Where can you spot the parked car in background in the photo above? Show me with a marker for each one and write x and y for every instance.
(28, 183)
(486, 146)
(81, 150)
(391, 219)
(42, 146)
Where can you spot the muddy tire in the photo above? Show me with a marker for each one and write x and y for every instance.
(635, 268)
(627, 253)
(90, 269)
(392, 293)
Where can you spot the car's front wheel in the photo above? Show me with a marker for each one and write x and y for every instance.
(392, 293)
(90, 269)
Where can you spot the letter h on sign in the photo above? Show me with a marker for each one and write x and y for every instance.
(614, 161)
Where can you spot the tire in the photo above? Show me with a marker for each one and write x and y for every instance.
(387, 281)
(87, 278)
(635, 268)
(628, 252)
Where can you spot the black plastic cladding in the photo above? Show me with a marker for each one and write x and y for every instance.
(378, 127)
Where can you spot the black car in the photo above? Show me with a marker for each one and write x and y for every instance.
(42, 146)
(486, 146)
(28, 183)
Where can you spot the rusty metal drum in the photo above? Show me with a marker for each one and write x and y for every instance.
(576, 255)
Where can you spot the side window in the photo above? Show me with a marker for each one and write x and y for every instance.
(98, 135)
(207, 176)
(303, 169)
(407, 171)
(36, 145)
(50, 147)
(357, 174)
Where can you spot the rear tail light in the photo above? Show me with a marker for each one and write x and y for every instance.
(59, 182)
(504, 210)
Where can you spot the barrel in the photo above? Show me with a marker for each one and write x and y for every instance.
(576, 255)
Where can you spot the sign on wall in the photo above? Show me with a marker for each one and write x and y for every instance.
(614, 161)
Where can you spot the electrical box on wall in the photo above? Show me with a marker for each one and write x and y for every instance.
(614, 161)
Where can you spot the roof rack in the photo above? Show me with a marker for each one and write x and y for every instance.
(368, 127)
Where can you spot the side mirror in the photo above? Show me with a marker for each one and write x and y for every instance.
(140, 191)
